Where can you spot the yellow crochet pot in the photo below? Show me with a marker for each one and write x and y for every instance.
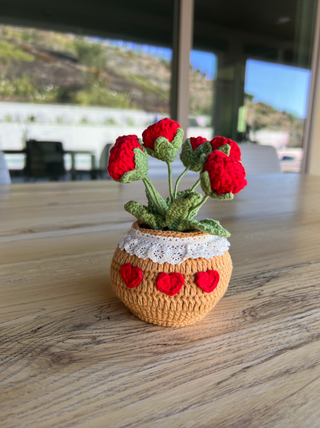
(146, 301)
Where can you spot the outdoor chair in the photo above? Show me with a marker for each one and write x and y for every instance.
(44, 159)
(258, 159)
(104, 158)
(4, 173)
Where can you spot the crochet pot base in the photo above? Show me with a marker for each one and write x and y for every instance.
(189, 302)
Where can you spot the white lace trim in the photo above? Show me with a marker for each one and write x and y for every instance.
(172, 250)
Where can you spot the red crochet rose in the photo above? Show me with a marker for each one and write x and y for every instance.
(196, 142)
(164, 128)
(235, 151)
(226, 174)
(121, 159)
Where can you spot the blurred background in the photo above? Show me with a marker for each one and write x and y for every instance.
(72, 81)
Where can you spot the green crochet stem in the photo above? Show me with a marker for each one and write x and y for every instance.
(178, 181)
(204, 199)
(195, 185)
(170, 181)
(151, 190)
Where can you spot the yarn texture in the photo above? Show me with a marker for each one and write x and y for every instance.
(122, 156)
(166, 128)
(169, 283)
(192, 154)
(218, 163)
(226, 174)
(189, 304)
(162, 140)
(131, 275)
(170, 248)
(208, 280)
(127, 160)
(235, 151)
(196, 142)
(171, 269)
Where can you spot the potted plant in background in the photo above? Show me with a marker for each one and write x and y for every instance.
(170, 269)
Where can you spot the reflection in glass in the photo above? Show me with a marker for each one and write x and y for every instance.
(82, 91)
(276, 108)
(201, 93)
(263, 54)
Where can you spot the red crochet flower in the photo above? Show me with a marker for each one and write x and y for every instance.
(196, 142)
(235, 151)
(226, 174)
(164, 128)
(121, 157)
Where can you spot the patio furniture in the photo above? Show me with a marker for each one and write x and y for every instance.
(76, 172)
(4, 173)
(258, 159)
(38, 159)
(104, 157)
(44, 159)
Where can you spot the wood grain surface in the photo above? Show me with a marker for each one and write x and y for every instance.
(72, 355)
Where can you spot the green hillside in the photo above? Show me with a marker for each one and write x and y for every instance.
(44, 66)
(48, 67)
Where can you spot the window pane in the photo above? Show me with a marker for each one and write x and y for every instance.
(81, 91)
(275, 113)
(263, 59)
(201, 93)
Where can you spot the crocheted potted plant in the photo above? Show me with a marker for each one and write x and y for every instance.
(170, 269)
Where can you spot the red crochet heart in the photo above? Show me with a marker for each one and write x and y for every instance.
(131, 275)
(169, 283)
(208, 281)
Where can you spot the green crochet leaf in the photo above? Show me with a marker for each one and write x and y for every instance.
(223, 197)
(207, 148)
(153, 201)
(164, 150)
(194, 212)
(212, 227)
(193, 159)
(180, 194)
(225, 149)
(181, 208)
(142, 213)
(206, 187)
(141, 167)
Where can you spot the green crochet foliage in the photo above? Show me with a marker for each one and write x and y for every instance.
(206, 187)
(183, 194)
(164, 150)
(180, 194)
(225, 149)
(141, 167)
(156, 203)
(207, 148)
(212, 227)
(193, 159)
(181, 209)
(176, 214)
(143, 214)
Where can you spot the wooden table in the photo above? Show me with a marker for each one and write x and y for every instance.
(72, 355)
